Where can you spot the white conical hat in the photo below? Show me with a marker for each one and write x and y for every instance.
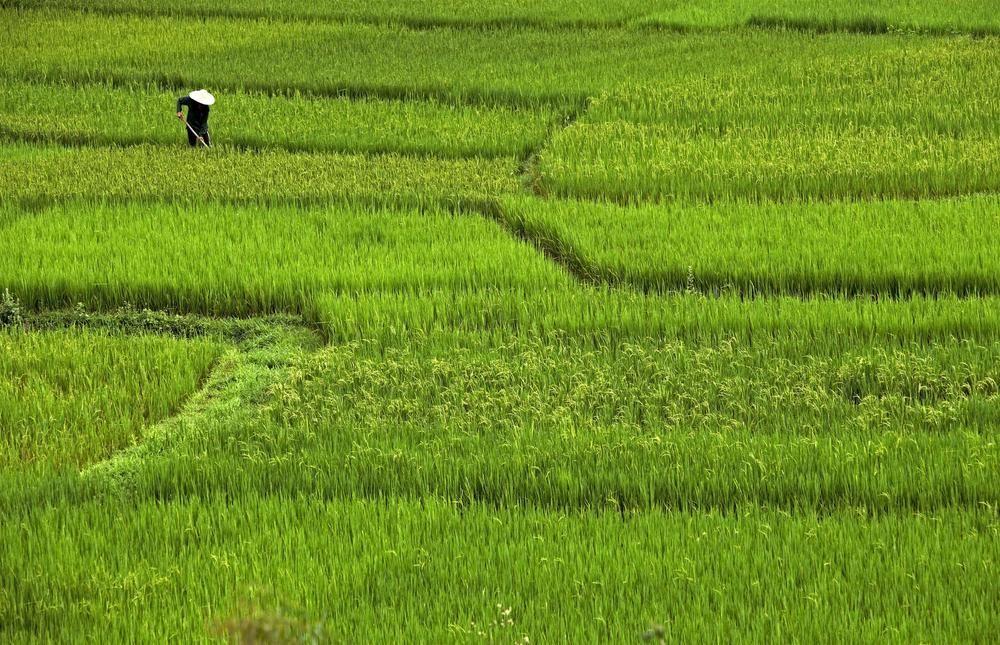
(202, 96)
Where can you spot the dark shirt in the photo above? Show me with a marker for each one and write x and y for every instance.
(197, 116)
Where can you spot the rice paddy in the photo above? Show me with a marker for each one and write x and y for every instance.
(557, 321)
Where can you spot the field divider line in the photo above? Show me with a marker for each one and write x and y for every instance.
(531, 179)
(552, 247)
(861, 27)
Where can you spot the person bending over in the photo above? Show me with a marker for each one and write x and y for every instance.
(197, 103)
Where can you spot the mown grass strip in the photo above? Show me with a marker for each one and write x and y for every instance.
(431, 572)
(253, 354)
(891, 248)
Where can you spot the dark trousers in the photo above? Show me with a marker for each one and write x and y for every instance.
(193, 139)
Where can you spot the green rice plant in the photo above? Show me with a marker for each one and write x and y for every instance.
(491, 13)
(240, 261)
(795, 418)
(626, 162)
(978, 17)
(68, 398)
(428, 571)
(944, 87)
(42, 175)
(101, 114)
(517, 67)
(889, 248)
(612, 316)
(883, 124)
(879, 16)
(569, 423)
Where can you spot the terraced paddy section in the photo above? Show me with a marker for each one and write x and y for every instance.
(47, 174)
(226, 260)
(130, 115)
(515, 67)
(879, 16)
(871, 17)
(884, 125)
(625, 163)
(891, 248)
(576, 422)
(402, 570)
(419, 13)
(69, 398)
(614, 316)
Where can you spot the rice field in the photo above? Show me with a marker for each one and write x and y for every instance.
(500, 321)
(887, 248)
(46, 175)
(67, 398)
(63, 114)
(878, 16)
(229, 260)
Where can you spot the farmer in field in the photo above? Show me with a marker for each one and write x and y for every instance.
(197, 103)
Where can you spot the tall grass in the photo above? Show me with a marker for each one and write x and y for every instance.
(889, 248)
(947, 88)
(99, 114)
(225, 260)
(627, 162)
(487, 449)
(70, 398)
